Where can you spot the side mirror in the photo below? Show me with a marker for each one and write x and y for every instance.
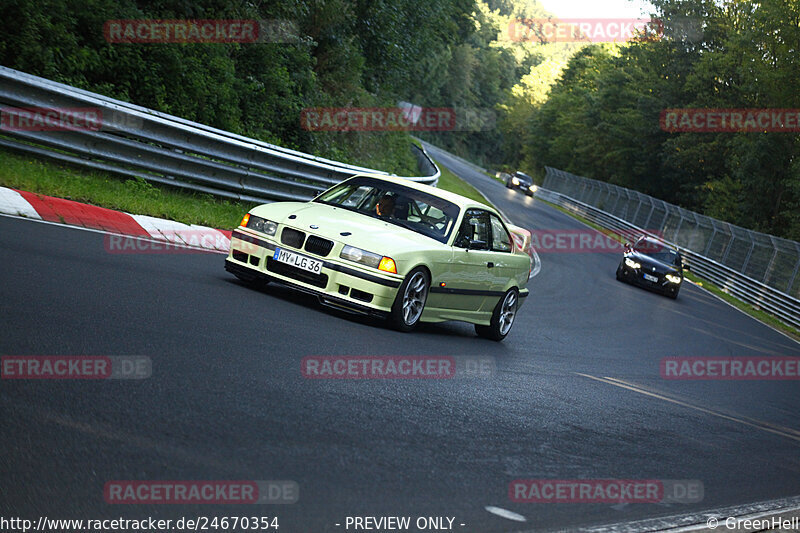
(628, 247)
(686, 267)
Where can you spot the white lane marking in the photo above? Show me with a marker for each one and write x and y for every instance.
(763, 426)
(102, 232)
(505, 513)
(13, 203)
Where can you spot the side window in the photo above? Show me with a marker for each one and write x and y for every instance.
(474, 232)
(501, 240)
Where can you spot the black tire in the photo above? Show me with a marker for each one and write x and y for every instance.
(501, 322)
(410, 301)
(620, 275)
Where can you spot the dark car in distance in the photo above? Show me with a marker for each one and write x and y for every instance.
(653, 265)
(522, 182)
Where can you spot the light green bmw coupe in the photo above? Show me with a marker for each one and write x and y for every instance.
(391, 248)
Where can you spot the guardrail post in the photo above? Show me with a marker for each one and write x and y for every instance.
(678, 227)
(728, 247)
(649, 216)
(616, 202)
(771, 261)
(711, 240)
(747, 259)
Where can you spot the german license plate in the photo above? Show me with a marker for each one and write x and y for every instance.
(298, 261)
(648, 277)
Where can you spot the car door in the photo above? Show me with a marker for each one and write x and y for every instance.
(470, 278)
(502, 258)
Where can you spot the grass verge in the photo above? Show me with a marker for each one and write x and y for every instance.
(450, 182)
(106, 190)
(763, 316)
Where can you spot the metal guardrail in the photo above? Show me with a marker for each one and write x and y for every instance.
(134, 141)
(735, 283)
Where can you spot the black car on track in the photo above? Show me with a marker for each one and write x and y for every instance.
(521, 181)
(653, 265)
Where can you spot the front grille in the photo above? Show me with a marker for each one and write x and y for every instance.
(318, 245)
(317, 280)
(240, 256)
(292, 237)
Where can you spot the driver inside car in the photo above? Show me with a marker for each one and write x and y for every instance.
(385, 206)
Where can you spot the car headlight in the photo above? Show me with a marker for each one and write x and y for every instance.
(673, 278)
(263, 225)
(357, 255)
(631, 263)
(515, 181)
(533, 188)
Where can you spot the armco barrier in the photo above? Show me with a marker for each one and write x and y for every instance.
(743, 287)
(134, 141)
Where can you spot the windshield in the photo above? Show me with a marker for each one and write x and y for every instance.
(657, 251)
(408, 208)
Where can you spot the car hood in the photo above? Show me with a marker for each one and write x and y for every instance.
(650, 264)
(368, 233)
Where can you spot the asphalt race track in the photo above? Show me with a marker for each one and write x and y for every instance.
(577, 393)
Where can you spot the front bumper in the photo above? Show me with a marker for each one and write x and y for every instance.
(662, 285)
(338, 284)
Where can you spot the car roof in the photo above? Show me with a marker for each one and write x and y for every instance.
(518, 173)
(657, 241)
(460, 201)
